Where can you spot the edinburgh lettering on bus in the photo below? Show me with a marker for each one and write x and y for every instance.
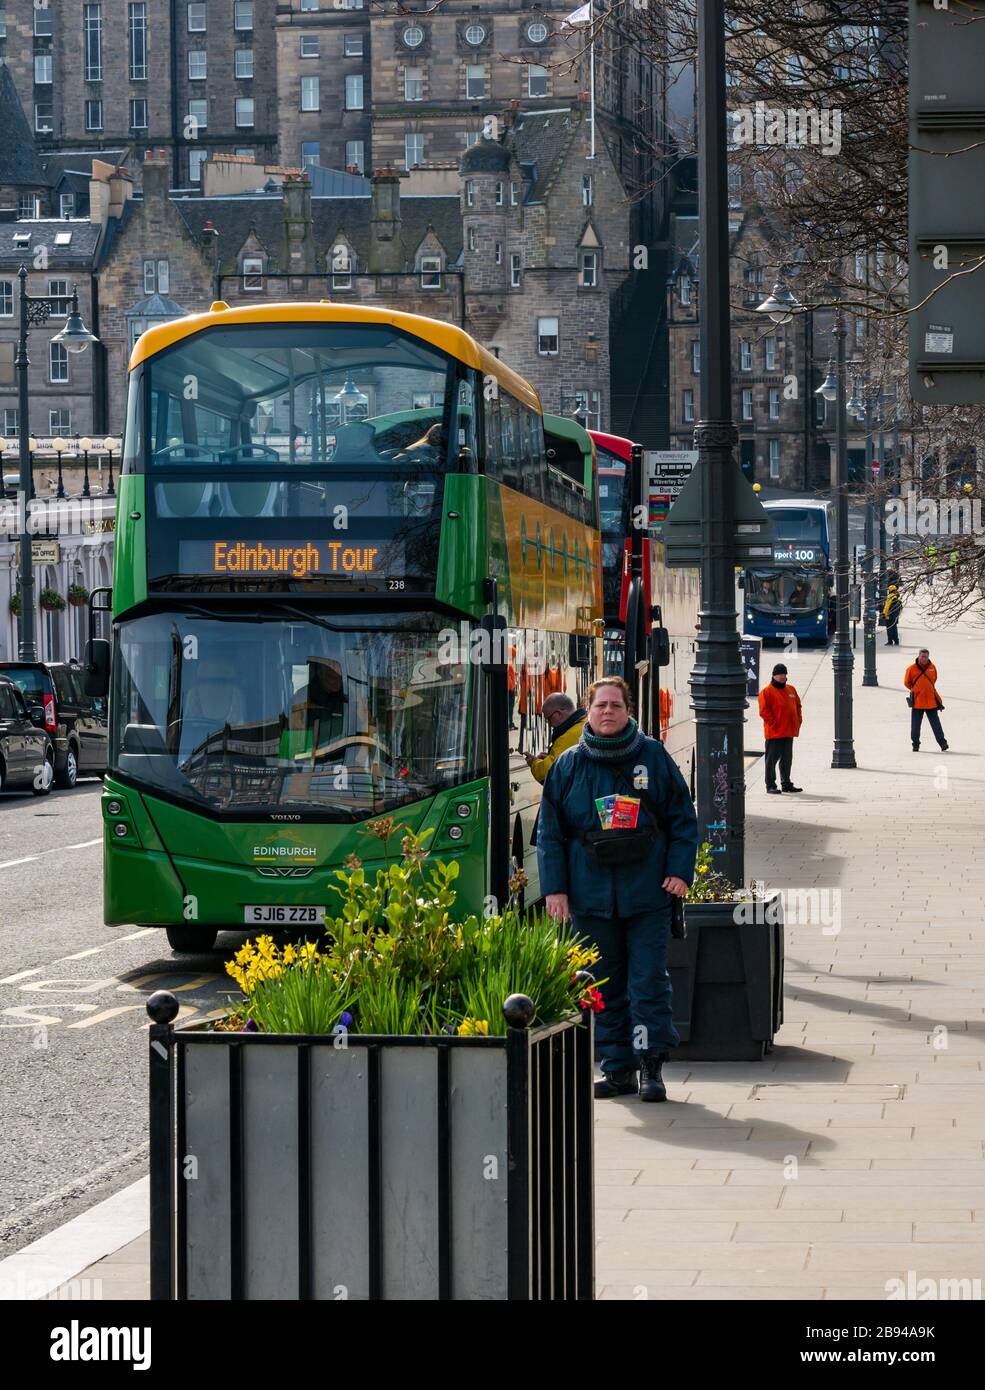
(237, 557)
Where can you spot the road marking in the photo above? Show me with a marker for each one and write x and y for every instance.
(86, 844)
(21, 975)
(106, 1013)
(11, 863)
(94, 950)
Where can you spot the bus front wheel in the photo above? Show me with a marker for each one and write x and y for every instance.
(191, 940)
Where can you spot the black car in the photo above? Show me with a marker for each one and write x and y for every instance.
(27, 752)
(74, 721)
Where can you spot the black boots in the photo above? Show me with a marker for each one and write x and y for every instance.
(651, 1082)
(617, 1083)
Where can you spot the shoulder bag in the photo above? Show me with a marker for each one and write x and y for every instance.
(909, 698)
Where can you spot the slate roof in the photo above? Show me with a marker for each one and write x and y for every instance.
(234, 216)
(19, 162)
(79, 162)
(79, 254)
(539, 142)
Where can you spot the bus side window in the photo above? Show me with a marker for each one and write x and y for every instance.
(493, 451)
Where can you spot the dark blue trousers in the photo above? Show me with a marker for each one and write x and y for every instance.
(637, 1016)
(933, 719)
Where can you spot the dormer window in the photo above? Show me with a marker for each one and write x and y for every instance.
(475, 34)
(253, 274)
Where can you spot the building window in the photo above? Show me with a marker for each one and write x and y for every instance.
(687, 407)
(43, 65)
(341, 268)
(770, 354)
(244, 62)
(413, 84)
(59, 422)
(745, 357)
(774, 399)
(470, 193)
(27, 207)
(515, 270)
(472, 239)
(309, 48)
(11, 423)
(498, 256)
(354, 155)
(589, 270)
(820, 409)
(6, 299)
(536, 80)
(157, 277)
(475, 82)
(309, 4)
(512, 194)
(586, 190)
(499, 193)
(92, 22)
(43, 27)
(774, 459)
(747, 403)
(252, 274)
(94, 115)
(471, 137)
(57, 363)
(685, 289)
(44, 117)
(243, 15)
(413, 36)
(197, 65)
(310, 93)
(137, 35)
(547, 337)
(537, 33)
(58, 290)
(196, 19)
(430, 269)
(244, 111)
(138, 113)
(198, 114)
(353, 45)
(196, 158)
(310, 153)
(475, 34)
(696, 358)
(413, 149)
(354, 92)
(66, 205)
(245, 152)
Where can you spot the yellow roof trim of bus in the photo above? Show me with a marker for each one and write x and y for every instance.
(445, 336)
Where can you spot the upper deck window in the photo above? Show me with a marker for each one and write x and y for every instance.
(300, 394)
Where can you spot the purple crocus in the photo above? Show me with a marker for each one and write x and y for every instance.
(345, 1019)
(251, 1026)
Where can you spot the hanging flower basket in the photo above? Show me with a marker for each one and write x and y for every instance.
(51, 601)
(78, 595)
(15, 603)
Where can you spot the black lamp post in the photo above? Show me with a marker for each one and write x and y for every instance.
(870, 675)
(35, 310)
(842, 658)
(84, 446)
(110, 445)
(718, 680)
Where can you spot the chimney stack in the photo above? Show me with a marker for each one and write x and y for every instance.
(386, 251)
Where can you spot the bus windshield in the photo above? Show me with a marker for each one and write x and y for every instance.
(786, 590)
(799, 524)
(339, 718)
(339, 393)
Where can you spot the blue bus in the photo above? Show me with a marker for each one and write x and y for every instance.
(791, 596)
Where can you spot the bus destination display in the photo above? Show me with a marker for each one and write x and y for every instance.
(798, 554)
(241, 558)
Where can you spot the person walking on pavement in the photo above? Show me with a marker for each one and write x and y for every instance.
(921, 681)
(782, 715)
(565, 722)
(617, 841)
(891, 611)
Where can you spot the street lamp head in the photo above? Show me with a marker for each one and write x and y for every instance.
(85, 444)
(32, 444)
(781, 304)
(59, 445)
(75, 337)
(3, 445)
(111, 445)
(829, 386)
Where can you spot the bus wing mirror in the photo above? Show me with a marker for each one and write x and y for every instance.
(661, 647)
(740, 580)
(581, 649)
(96, 680)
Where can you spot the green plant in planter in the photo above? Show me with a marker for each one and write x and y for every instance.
(15, 603)
(396, 962)
(712, 886)
(78, 595)
(51, 600)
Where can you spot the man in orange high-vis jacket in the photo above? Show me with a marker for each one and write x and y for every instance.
(921, 681)
(779, 705)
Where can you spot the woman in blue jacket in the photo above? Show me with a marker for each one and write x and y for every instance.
(624, 908)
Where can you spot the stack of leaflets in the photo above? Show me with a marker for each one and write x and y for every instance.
(618, 812)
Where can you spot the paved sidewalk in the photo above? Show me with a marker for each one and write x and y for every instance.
(854, 1154)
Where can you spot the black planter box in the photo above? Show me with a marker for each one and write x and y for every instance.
(727, 976)
(371, 1168)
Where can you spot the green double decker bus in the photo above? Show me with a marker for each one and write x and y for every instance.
(341, 552)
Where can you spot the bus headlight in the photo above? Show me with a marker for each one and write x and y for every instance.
(120, 829)
(463, 809)
(113, 808)
(455, 832)
(820, 617)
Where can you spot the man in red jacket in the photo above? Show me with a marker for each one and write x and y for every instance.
(779, 705)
